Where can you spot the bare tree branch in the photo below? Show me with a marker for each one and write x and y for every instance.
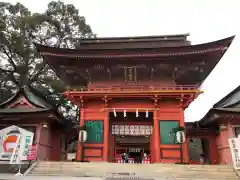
(10, 58)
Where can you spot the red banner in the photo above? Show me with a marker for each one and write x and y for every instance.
(32, 152)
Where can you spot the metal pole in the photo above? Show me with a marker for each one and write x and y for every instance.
(82, 158)
(181, 153)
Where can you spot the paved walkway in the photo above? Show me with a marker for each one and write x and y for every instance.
(13, 177)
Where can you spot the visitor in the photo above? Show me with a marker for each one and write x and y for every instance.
(145, 155)
(140, 159)
(202, 159)
(124, 158)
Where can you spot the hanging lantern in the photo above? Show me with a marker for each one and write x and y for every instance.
(180, 137)
(82, 137)
(146, 113)
(124, 113)
(114, 113)
(137, 113)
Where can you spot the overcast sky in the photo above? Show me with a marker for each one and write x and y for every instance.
(205, 20)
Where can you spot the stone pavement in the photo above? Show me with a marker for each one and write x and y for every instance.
(13, 177)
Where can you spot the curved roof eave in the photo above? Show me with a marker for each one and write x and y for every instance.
(225, 41)
(10, 99)
(36, 101)
(107, 40)
(220, 103)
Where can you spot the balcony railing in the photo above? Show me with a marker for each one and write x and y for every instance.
(139, 88)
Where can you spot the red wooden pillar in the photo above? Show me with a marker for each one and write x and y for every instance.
(106, 137)
(213, 150)
(38, 139)
(185, 144)
(156, 136)
(152, 148)
(79, 146)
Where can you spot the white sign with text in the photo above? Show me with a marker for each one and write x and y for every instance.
(234, 144)
(8, 142)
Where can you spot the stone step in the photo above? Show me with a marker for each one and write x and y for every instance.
(230, 171)
(145, 174)
(139, 166)
(132, 170)
(110, 164)
(137, 177)
(161, 171)
(142, 168)
(140, 178)
(106, 163)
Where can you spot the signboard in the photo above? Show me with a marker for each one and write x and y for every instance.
(15, 159)
(234, 144)
(94, 131)
(8, 142)
(32, 152)
(138, 150)
(132, 130)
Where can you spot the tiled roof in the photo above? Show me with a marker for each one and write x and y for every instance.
(21, 110)
(32, 98)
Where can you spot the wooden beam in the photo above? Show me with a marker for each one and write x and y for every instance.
(155, 100)
(105, 99)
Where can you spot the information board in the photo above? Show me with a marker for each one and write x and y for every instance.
(234, 144)
(32, 152)
(94, 131)
(8, 138)
(166, 131)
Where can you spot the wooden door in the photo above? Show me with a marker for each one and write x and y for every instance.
(63, 148)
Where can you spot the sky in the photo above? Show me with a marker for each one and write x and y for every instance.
(205, 20)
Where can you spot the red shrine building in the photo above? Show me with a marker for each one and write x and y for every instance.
(32, 117)
(132, 93)
(224, 118)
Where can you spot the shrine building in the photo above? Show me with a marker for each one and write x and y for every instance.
(224, 118)
(28, 113)
(132, 93)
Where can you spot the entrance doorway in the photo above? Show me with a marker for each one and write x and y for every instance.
(131, 137)
(72, 148)
(198, 148)
(133, 146)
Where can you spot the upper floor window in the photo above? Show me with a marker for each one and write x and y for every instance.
(130, 74)
(237, 131)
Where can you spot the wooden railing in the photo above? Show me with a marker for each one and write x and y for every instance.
(139, 88)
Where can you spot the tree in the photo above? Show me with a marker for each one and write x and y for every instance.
(72, 26)
(20, 64)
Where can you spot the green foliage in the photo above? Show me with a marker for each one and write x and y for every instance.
(20, 64)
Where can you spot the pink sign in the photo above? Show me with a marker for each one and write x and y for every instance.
(32, 152)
